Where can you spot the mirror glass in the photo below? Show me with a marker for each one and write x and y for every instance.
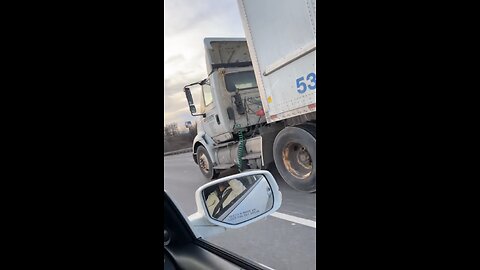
(193, 109)
(188, 94)
(238, 200)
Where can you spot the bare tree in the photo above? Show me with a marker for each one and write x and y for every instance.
(174, 140)
(171, 130)
(192, 131)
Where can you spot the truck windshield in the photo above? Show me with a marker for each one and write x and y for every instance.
(240, 80)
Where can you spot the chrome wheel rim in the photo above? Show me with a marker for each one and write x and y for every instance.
(203, 163)
(297, 160)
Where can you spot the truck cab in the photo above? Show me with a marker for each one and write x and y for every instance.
(230, 96)
(230, 108)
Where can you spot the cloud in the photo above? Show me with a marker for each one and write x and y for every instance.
(187, 23)
(178, 58)
(176, 106)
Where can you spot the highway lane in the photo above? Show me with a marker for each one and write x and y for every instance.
(279, 243)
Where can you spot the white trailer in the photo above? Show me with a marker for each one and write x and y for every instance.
(281, 38)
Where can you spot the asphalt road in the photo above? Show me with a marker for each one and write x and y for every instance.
(277, 242)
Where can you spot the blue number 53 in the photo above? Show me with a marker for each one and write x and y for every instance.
(301, 86)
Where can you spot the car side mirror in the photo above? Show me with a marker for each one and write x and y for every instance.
(237, 200)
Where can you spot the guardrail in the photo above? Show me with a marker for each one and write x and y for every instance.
(181, 151)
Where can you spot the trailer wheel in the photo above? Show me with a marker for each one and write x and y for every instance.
(205, 163)
(295, 157)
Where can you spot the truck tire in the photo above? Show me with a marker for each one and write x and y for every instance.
(205, 164)
(294, 153)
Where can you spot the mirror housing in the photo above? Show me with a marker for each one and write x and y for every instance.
(191, 104)
(253, 195)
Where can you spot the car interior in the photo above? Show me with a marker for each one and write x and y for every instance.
(182, 250)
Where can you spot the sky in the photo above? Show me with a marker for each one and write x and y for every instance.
(187, 23)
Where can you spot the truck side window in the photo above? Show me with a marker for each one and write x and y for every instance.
(207, 94)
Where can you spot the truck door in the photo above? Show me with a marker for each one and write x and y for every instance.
(209, 121)
(213, 122)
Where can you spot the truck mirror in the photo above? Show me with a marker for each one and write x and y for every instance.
(191, 105)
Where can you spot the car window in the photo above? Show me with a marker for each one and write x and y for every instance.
(278, 242)
(223, 140)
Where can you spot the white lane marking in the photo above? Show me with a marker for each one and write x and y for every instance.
(265, 266)
(303, 221)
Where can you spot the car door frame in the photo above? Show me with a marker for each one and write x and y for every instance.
(206, 245)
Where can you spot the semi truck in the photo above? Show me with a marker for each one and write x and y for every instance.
(258, 103)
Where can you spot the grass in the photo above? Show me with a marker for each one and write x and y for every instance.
(178, 142)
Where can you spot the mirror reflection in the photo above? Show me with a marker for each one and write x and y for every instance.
(238, 200)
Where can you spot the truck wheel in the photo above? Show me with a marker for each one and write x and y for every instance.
(294, 153)
(205, 163)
